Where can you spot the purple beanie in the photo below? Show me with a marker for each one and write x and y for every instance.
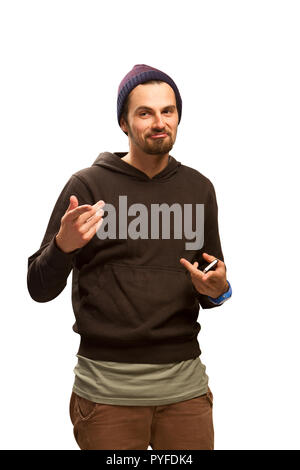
(141, 73)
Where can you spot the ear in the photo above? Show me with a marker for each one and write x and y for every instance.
(123, 125)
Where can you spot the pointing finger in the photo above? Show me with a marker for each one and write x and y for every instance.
(208, 257)
(191, 267)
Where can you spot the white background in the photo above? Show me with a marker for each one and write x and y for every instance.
(236, 64)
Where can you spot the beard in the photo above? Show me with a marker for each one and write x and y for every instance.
(153, 146)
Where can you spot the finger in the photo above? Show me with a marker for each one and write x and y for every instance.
(208, 257)
(210, 274)
(78, 211)
(220, 266)
(95, 212)
(191, 267)
(85, 211)
(98, 215)
(100, 203)
(94, 228)
(73, 203)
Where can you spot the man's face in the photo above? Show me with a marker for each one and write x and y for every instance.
(152, 111)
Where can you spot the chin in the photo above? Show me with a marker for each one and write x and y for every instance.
(158, 149)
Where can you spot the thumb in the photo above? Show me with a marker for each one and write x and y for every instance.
(73, 203)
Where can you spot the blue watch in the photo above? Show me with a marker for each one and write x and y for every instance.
(223, 297)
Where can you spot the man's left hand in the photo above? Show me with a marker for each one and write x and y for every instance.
(213, 283)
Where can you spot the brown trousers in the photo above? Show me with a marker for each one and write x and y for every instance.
(184, 425)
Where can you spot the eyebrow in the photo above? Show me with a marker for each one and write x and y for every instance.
(150, 109)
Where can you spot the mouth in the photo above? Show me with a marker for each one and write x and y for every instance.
(158, 136)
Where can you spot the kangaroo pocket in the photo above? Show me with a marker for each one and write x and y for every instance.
(141, 304)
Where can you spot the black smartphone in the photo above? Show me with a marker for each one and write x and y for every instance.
(210, 266)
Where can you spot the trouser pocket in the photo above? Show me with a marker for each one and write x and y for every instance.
(84, 407)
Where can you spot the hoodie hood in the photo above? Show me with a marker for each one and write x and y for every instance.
(114, 162)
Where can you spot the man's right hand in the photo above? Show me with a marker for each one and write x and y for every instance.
(78, 225)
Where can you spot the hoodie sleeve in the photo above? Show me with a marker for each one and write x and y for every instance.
(212, 243)
(49, 267)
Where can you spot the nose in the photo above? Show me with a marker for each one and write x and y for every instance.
(159, 123)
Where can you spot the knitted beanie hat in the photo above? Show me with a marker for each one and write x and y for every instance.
(141, 73)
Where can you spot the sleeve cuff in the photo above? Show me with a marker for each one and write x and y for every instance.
(56, 258)
(222, 298)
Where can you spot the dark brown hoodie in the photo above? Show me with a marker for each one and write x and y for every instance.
(132, 299)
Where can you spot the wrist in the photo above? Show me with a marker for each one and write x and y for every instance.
(58, 244)
(226, 294)
(225, 289)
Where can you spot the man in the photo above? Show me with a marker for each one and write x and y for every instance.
(137, 286)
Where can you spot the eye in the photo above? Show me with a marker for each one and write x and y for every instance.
(145, 112)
